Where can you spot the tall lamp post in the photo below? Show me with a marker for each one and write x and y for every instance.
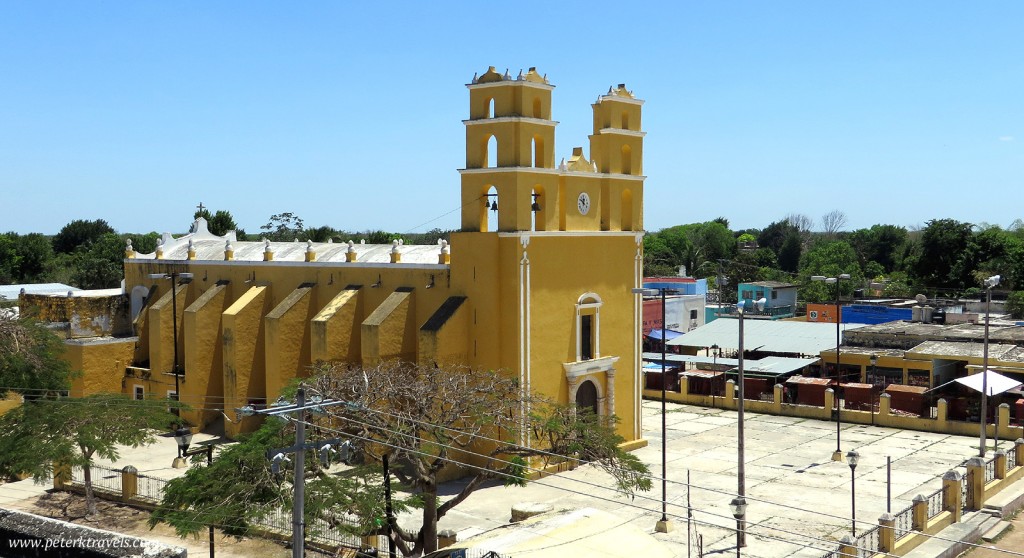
(738, 506)
(174, 276)
(663, 525)
(852, 458)
(183, 437)
(989, 284)
(838, 454)
(741, 485)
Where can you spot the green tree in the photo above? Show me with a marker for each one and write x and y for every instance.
(944, 243)
(429, 422)
(202, 496)
(100, 264)
(79, 232)
(436, 413)
(74, 431)
(31, 360)
(10, 259)
(774, 235)
(789, 252)
(1015, 304)
(220, 223)
(283, 227)
(829, 259)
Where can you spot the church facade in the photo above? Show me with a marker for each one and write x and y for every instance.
(537, 282)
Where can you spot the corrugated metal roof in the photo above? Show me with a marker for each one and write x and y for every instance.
(771, 365)
(11, 292)
(773, 336)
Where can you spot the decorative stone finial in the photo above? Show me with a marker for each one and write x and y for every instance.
(266, 244)
(506, 77)
(362, 241)
(351, 246)
(330, 240)
(350, 254)
(227, 245)
(520, 76)
(310, 254)
(474, 77)
(128, 245)
(394, 246)
(190, 244)
(445, 249)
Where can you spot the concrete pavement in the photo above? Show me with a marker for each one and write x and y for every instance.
(799, 500)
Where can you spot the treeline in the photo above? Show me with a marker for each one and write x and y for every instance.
(945, 258)
(89, 254)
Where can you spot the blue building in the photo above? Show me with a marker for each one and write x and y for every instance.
(780, 298)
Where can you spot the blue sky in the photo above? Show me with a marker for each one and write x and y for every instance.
(349, 113)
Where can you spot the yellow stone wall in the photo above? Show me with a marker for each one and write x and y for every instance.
(102, 361)
(10, 401)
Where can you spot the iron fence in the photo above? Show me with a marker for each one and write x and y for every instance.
(990, 470)
(935, 503)
(103, 478)
(965, 492)
(149, 488)
(867, 543)
(903, 523)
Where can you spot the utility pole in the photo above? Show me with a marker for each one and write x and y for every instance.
(388, 512)
(277, 455)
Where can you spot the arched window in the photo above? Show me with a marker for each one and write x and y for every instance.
(490, 108)
(490, 218)
(538, 209)
(536, 108)
(627, 160)
(588, 327)
(538, 151)
(625, 120)
(137, 300)
(490, 152)
(626, 206)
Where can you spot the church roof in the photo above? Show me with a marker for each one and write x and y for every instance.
(209, 246)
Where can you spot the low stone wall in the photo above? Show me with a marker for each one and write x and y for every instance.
(24, 535)
(883, 417)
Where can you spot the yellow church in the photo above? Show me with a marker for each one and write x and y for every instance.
(537, 282)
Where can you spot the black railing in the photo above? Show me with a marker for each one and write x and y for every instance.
(935, 503)
(903, 522)
(990, 470)
(867, 543)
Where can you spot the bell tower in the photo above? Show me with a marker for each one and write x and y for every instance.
(617, 147)
(510, 182)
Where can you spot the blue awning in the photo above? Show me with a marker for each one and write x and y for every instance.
(658, 333)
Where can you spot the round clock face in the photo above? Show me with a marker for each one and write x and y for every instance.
(583, 203)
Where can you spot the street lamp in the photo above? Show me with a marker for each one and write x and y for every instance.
(838, 454)
(183, 437)
(852, 458)
(741, 486)
(989, 284)
(738, 506)
(174, 276)
(663, 525)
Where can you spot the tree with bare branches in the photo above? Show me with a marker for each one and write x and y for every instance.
(429, 419)
(833, 222)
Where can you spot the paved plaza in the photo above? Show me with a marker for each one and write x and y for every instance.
(799, 500)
